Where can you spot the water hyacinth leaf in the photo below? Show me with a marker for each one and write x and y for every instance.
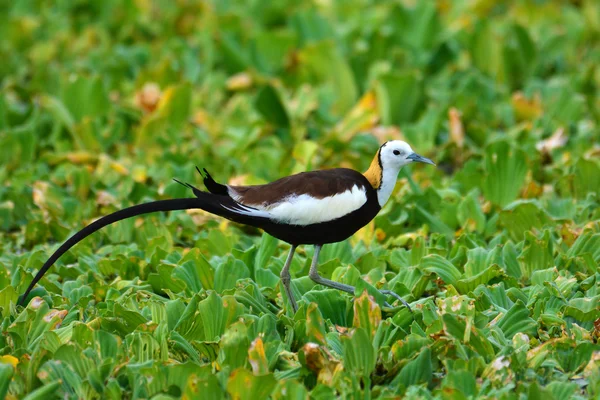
(399, 96)
(521, 216)
(459, 384)
(359, 354)
(8, 297)
(562, 390)
(441, 267)
(517, 320)
(164, 279)
(269, 104)
(228, 273)
(331, 306)
(315, 325)
(367, 314)
(466, 285)
(243, 385)
(206, 386)
(289, 389)
(419, 370)
(324, 61)
(43, 392)
(409, 347)
(217, 314)
(470, 214)
(585, 179)
(537, 254)
(587, 243)
(362, 286)
(266, 250)
(200, 271)
(584, 309)
(257, 357)
(234, 346)
(85, 97)
(506, 167)
(6, 373)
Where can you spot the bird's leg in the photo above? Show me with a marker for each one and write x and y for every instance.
(389, 292)
(314, 275)
(286, 278)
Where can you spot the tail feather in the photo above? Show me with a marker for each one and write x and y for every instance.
(212, 185)
(161, 205)
(221, 205)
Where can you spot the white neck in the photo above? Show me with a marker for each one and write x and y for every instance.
(388, 182)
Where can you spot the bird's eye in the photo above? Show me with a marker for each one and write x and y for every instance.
(397, 152)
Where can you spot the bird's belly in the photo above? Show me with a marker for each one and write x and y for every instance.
(324, 232)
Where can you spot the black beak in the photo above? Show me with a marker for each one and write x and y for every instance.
(417, 158)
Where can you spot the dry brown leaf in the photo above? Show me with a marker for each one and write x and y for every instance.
(556, 141)
(385, 133)
(241, 81)
(238, 180)
(457, 131)
(104, 198)
(148, 97)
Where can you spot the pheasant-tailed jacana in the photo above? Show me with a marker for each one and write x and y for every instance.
(316, 207)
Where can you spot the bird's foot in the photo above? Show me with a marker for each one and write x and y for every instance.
(390, 293)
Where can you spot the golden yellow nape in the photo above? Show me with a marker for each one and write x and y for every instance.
(374, 173)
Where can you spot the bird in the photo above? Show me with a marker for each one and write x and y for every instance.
(309, 208)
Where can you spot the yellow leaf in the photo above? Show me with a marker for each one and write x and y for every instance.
(258, 358)
(526, 109)
(363, 116)
(9, 360)
(457, 132)
(119, 168)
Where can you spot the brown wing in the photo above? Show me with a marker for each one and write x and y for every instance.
(317, 184)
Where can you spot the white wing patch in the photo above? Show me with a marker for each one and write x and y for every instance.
(243, 210)
(306, 210)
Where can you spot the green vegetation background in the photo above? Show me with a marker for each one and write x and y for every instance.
(103, 102)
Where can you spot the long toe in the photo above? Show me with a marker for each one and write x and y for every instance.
(389, 292)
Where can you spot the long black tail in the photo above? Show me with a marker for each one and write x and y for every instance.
(161, 205)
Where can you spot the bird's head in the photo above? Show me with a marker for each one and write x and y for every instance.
(395, 154)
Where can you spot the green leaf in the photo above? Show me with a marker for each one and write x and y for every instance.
(85, 97)
(419, 370)
(43, 392)
(467, 285)
(359, 354)
(269, 104)
(324, 61)
(228, 273)
(584, 309)
(6, 373)
(399, 96)
(441, 267)
(517, 320)
(505, 167)
(537, 254)
(331, 304)
(245, 386)
(522, 215)
(266, 250)
(585, 179)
